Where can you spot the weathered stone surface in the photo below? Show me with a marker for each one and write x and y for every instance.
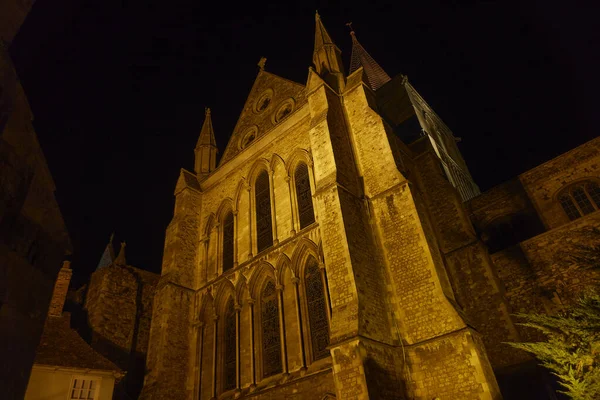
(33, 237)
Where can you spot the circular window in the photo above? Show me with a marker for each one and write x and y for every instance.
(284, 110)
(263, 102)
(248, 137)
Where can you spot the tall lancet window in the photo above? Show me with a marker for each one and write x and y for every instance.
(228, 241)
(264, 233)
(317, 309)
(306, 214)
(271, 340)
(229, 341)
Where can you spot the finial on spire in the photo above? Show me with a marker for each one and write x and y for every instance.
(262, 62)
(349, 25)
(206, 111)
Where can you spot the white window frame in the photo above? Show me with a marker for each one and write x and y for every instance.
(88, 378)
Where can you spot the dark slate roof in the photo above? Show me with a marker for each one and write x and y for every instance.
(61, 346)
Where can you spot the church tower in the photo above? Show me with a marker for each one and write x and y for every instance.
(313, 261)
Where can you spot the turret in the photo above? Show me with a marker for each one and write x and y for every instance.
(206, 149)
(327, 57)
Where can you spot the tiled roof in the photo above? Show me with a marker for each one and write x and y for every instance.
(62, 346)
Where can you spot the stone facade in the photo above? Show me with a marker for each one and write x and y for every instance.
(117, 310)
(382, 284)
(33, 237)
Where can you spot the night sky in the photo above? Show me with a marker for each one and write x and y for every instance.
(118, 90)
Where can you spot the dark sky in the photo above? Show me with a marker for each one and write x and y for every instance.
(118, 89)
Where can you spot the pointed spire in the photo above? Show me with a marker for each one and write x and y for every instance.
(207, 134)
(109, 254)
(376, 76)
(120, 260)
(327, 56)
(206, 148)
(321, 36)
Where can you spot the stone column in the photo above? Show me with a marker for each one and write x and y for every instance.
(325, 291)
(238, 361)
(295, 282)
(252, 346)
(273, 215)
(288, 179)
(235, 238)
(279, 289)
(215, 355)
(251, 220)
(200, 332)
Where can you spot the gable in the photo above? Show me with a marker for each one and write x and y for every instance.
(270, 98)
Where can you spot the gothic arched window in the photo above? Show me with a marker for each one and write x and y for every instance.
(580, 199)
(317, 309)
(228, 239)
(306, 214)
(229, 342)
(271, 339)
(264, 233)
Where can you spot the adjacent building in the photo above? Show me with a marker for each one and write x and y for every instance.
(66, 367)
(33, 236)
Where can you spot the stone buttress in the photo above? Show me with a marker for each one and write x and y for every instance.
(171, 332)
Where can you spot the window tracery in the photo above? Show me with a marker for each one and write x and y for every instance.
(228, 241)
(580, 199)
(264, 226)
(317, 310)
(271, 339)
(306, 213)
(229, 341)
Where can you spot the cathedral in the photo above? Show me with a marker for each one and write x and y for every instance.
(340, 249)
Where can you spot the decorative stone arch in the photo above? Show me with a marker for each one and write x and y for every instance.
(209, 224)
(242, 189)
(206, 311)
(314, 304)
(300, 156)
(224, 291)
(261, 273)
(241, 290)
(579, 197)
(257, 167)
(304, 248)
(275, 159)
(227, 206)
(269, 360)
(207, 270)
(260, 166)
(283, 263)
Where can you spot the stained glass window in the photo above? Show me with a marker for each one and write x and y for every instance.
(594, 191)
(306, 213)
(582, 201)
(229, 373)
(228, 242)
(569, 207)
(317, 310)
(264, 233)
(271, 340)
